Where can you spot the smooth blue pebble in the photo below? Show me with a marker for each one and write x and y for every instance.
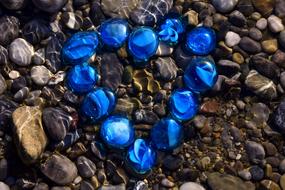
(114, 32)
(79, 48)
(183, 104)
(141, 156)
(166, 134)
(201, 41)
(143, 43)
(81, 78)
(98, 104)
(200, 75)
(117, 132)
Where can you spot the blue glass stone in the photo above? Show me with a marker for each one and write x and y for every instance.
(183, 104)
(201, 41)
(114, 32)
(79, 48)
(98, 104)
(141, 156)
(81, 78)
(170, 30)
(166, 134)
(200, 75)
(143, 43)
(117, 132)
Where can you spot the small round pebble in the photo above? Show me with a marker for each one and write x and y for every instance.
(40, 75)
(275, 24)
(21, 52)
(191, 186)
(232, 39)
(224, 6)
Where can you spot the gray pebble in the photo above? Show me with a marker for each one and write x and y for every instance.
(275, 24)
(232, 39)
(3, 186)
(50, 6)
(191, 186)
(265, 66)
(3, 55)
(261, 24)
(3, 84)
(165, 68)
(40, 75)
(3, 169)
(237, 19)
(280, 8)
(72, 20)
(249, 45)
(255, 34)
(255, 151)
(13, 4)
(21, 94)
(85, 167)
(85, 185)
(245, 174)
(36, 30)
(21, 52)
(9, 29)
(39, 57)
(282, 38)
(224, 5)
(227, 67)
(52, 53)
(256, 172)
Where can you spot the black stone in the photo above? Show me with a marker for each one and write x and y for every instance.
(9, 29)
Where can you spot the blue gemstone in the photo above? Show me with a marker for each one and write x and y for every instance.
(117, 132)
(200, 75)
(201, 41)
(170, 30)
(98, 104)
(79, 48)
(183, 104)
(81, 78)
(114, 32)
(166, 134)
(143, 43)
(141, 156)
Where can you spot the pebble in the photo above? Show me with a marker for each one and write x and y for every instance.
(269, 185)
(282, 181)
(275, 24)
(279, 58)
(149, 12)
(3, 169)
(3, 84)
(40, 75)
(21, 94)
(59, 169)
(3, 55)
(261, 24)
(145, 116)
(164, 50)
(113, 187)
(41, 186)
(21, 52)
(256, 172)
(255, 34)
(281, 38)
(49, 6)
(232, 39)
(224, 6)
(57, 122)
(13, 4)
(227, 67)
(31, 138)
(85, 185)
(237, 19)
(255, 151)
(86, 167)
(245, 174)
(167, 183)
(279, 117)
(192, 186)
(261, 85)
(118, 8)
(9, 29)
(7, 107)
(3, 186)
(249, 45)
(270, 46)
(265, 66)
(165, 68)
(111, 71)
(71, 20)
(265, 7)
(52, 53)
(280, 8)
(36, 30)
(60, 188)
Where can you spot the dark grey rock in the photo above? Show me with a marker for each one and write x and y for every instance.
(245, 174)
(111, 71)
(181, 58)
(164, 50)
(13, 4)
(18, 84)
(3, 85)
(282, 38)
(85, 167)
(260, 113)
(21, 94)
(39, 57)
(224, 6)
(7, 107)
(3, 169)
(36, 30)
(71, 20)
(118, 8)
(255, 151)
(52, 53)
(245, 7)
(227, 67)
(280, 8)
(145, 116)
(113, 187)
(172, 162)
(3, 55)
(59, 169)
(50, 6)
(68, 141)
(21, 52)
(237, 19)
(249, 45)
(98, 150)
(256, 172)
(9, 29)
(282, 166)
(265, 66)
(57, 122)
(85, 185)
(279, 58)
(255, 34)
(165, 68)
(96, 14)
(41, 186)
(149, 12)
(279, 117)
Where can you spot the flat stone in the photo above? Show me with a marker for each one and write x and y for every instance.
(30, 139)
(59, 169)
(21, 52)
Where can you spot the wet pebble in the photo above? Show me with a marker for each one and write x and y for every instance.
(39, 57)
(224, 6)
(255, 151)
(40, 75)
(36, 30)
(256, 172)
(275, 24)
(49, 6)
(86, 167)
(166, 68)
(249, 45)
(232, 39)
(261, 24)
(7, 107)
(237, 19)
(59, 169)
(279, 117)
(52, 53)
(21, 52)
(255, 34)
(9, 29)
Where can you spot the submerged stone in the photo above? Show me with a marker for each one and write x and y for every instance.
(117, 132)
(167, 134)
(79, 48)
(201, 41)
(200, 75)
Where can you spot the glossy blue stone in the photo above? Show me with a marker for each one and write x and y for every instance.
(114, 32)
(98, 104)
(183, 104)
(170, 30)
(141, 156)
(200, 75)
(79, 48)
(117, 132)
(166, 134)
(143, 43)
(81, 78)
(201, 40)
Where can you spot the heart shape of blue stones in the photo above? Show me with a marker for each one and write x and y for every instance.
(117, 131)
